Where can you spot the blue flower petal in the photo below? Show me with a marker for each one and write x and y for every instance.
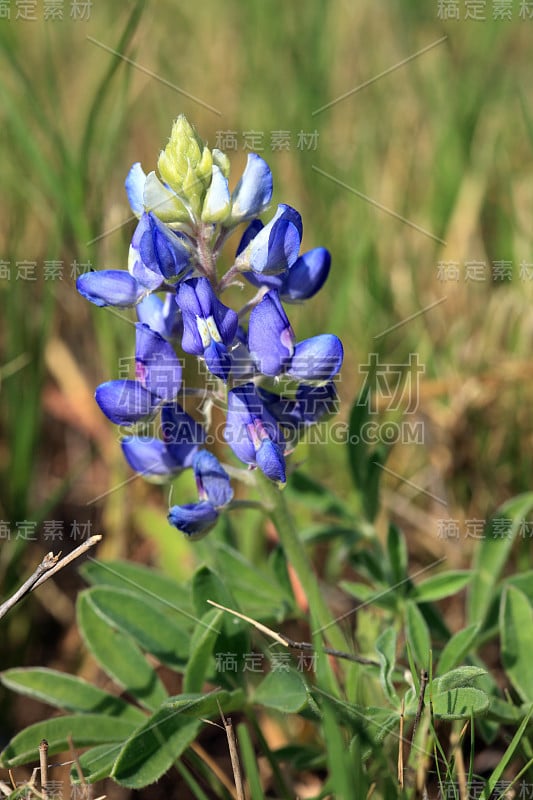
(134, 183)
(250, 233)
(276, 246)
(271, 462)
(270, 336)
(125, 402)
(157, 366)
(165, 250)
(253, 192)
(181, 434)
(151, 458)
(317, 359)
(218, 360)
(110, 287)
(306, 276)
(148, 275)
(159, 250)
(217, 199)
(206, 322)
(250, 428)
(162, 316)
(314, 402)
(243, 405)
(212, 479)
(286, 411)
(194, 519)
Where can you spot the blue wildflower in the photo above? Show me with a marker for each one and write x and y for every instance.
(158, 373)
(110, 287)
(157, 366)
(161, 315)
(160, 460)
(275, 246)
(157, 254)
(253, 192)
(272, 344)
(214, 491)
(253, 433)
(209, 327)
(126, 402)
(307, 407)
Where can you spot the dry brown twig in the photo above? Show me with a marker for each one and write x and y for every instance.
(49, 566)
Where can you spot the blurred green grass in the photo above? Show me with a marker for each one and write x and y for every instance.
(442, 141)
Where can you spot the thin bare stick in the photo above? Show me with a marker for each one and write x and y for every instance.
(235, 765)
(234, 756)
(76, 760)
(76, 553)
(280, 638)
(400, 745)
(49, 566)
(217, 771)
(46, 564)
(424, 680)
(43, 761)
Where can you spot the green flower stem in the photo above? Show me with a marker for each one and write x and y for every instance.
(297, 556)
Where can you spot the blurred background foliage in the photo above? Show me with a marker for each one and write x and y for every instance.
(417, 171)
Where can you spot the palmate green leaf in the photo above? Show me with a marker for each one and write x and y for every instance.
(457, 648)
(85, 730)
(282, 690)
(493, 552)
(457, 678)
(522, 581)
(207, 585)
(118, 655)
(504, 712)
(143, 580)
(235, 633)
(152, 749)
(68, 693)
(201, 660)
(146, 622)
(260, 594)
(459, 703)
(96, 763)
(516, 633)
(442, 585)
(206, 705)
(417, 635)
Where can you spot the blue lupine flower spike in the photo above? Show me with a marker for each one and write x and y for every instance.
(185, 214)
